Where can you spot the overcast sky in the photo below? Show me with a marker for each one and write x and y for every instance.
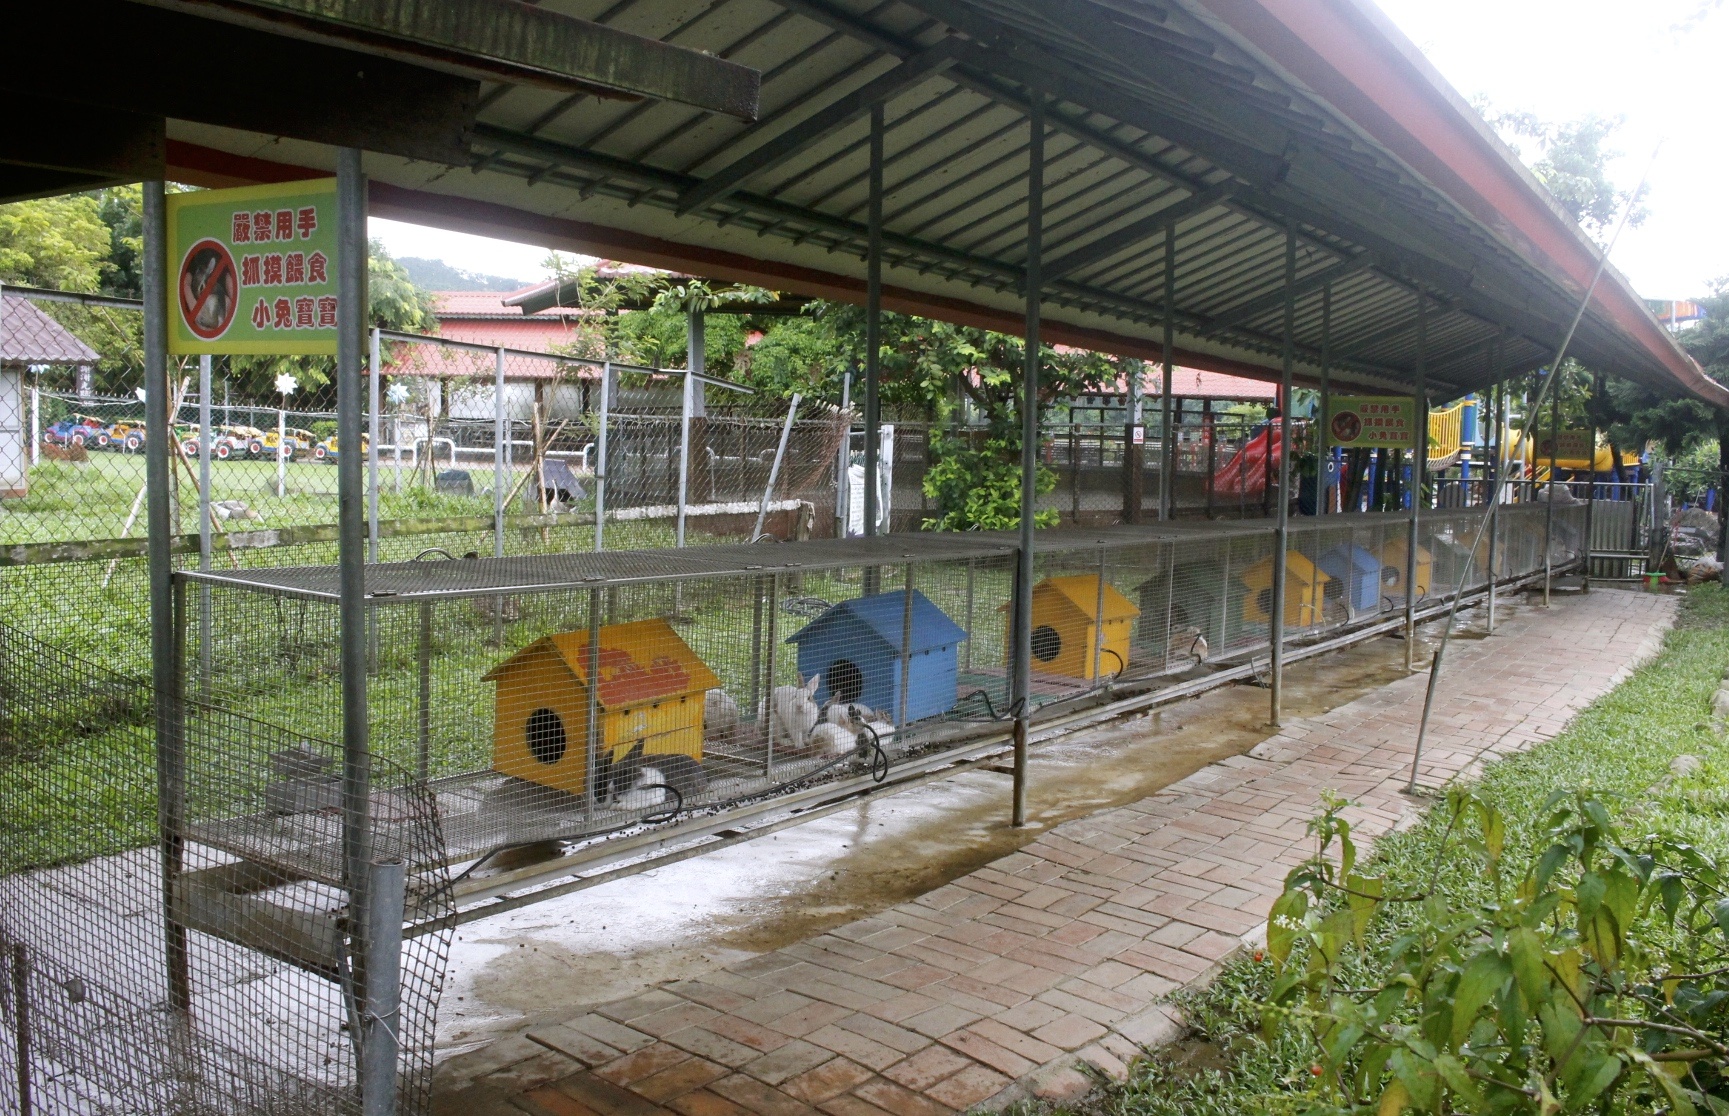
(1658, 64)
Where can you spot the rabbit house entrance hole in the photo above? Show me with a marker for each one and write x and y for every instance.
(1047, 643)
(546, 740)
(845, 681)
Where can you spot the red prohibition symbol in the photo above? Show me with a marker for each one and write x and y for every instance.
(209, 289)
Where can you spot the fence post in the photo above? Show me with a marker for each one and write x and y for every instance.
(1167, 452)
(1281, 536)
(383, 1017)
(204, 525)
(351, 559)
(20, 959)
(1419, 463)
(1549, 509)
(684, 454)
(1499, 398)
(1020, 661)
(600, 457)
(376, 399)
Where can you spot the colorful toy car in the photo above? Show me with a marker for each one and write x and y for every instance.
(327, 449)
(127, 434)
(294, 443)
(77, 430)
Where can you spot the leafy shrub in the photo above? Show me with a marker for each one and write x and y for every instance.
(978, 488)
(1595, 979)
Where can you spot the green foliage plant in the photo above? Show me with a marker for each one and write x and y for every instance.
(1595, 979)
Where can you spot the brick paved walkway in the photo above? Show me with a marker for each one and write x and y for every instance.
(999, 984)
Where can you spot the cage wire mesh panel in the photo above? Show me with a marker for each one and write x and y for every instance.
(578, 696)
(89, 994)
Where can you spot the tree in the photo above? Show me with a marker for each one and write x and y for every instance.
(1572, 161)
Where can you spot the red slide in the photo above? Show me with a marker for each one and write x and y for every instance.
(1245, 474)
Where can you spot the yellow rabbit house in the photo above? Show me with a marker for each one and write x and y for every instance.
(1393, 570)
(1305, 591)
(1066, 622)
(649, 694)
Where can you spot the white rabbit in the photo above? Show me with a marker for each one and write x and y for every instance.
(831, 740)
(719, 716)
(648, 789)
(793, 714)
(847, 714)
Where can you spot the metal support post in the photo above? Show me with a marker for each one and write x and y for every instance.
(1167, 452)
(1281, 536)
(20, 966)
(204, 523)
(1419, 461)
(382, 1020)
(1599, 386)
(423, 670)
(684, 455)
(375, 401)
(500, 435)
(906, 645)
(165, 647)
(1021, 653)
(873, 333)
(1498, 396)
(351, 563)
(1549, 492)
(1134, 445)
(1323, 460)
(282, 449)
(592, 736)
(600, 457)
(772, 644)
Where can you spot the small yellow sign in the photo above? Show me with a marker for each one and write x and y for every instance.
(1372, 421)
(253, 270)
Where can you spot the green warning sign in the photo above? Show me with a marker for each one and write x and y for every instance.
(253, 270)
(1372, 421)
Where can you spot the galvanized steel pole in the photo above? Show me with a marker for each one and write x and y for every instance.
(159, 511)
(1549, 510)
(1167, 452)
(376, 401)
(1419, 460)
(1276, 620)
(1323, 458)
(500, 436)
(600, 457)
(351, 565)
(873, 328)
(383, 1018)
(205, 631)
(1020, 649)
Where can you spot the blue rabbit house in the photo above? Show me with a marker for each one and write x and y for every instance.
(1357, 572)
(856, 648)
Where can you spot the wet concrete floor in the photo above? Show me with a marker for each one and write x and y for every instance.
(549, 961)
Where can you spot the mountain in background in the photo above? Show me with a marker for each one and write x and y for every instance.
(436, 275)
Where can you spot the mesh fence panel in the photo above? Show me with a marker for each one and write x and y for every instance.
(88, 1005)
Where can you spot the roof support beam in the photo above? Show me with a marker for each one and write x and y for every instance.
(500, 40)
(1117, 240)
(1255, 307)
(1264, 198)
(825, 122)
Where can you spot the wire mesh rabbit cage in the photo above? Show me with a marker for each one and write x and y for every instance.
(569, 698)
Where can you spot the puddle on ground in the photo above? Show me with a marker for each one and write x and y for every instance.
(549, 961)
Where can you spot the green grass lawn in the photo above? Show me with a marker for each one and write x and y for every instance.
(1621, 746)
(93, 499)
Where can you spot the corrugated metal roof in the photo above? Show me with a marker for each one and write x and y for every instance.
(1198, 114)
(29, 336)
